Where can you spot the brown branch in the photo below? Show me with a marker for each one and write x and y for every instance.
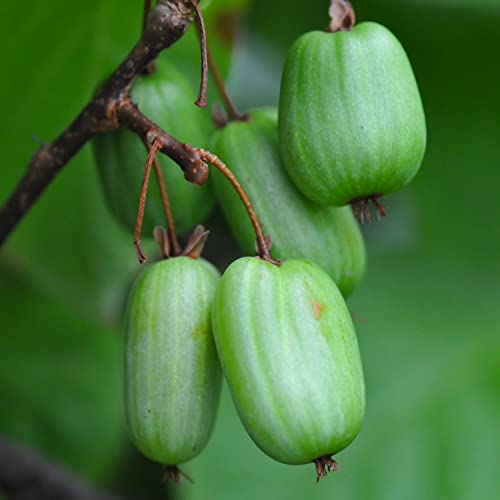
(151, 66)
(147, 8)
(188, 158)
(166, 23)
(26, 475)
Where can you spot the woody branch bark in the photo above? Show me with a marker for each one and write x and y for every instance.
(25, 474)
(108, 110)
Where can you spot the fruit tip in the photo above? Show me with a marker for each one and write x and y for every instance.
(361, 208)
(201, 102)
(172, 473)
(324, 465)
(141, 256)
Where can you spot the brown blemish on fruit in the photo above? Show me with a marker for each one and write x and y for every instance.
(317, 309)
(199, 331)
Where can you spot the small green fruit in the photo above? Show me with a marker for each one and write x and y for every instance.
(351, 122)
(290, 356)
(166, 98)
(299, 228)
(172, 373)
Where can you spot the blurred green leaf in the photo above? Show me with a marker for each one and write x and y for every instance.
(477, 4)
(68, 245)
(60, 382)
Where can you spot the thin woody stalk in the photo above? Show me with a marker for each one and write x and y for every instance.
(208, 62)
(142, 201)
(262, 243)
(231, 110)
(202, 97)
(172, 235)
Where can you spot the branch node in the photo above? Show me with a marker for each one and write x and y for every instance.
(195, 168)
(151, 136)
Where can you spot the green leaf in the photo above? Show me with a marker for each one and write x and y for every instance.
(60, 382)
(478, 4)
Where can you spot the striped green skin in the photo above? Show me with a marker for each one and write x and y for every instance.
(299, 228)
(166, 97)
(351, 121)
(290, 356)
(172, 373)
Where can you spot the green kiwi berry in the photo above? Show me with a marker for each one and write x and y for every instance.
(290, 357)
(166, 97)
(172, 373)
(299, 228)
(351, 122)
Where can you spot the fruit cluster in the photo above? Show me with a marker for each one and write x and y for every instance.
(350, 128)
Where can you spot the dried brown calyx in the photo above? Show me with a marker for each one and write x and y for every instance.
(194, 246)
(324, 465)
(172, 473)
(361, 208)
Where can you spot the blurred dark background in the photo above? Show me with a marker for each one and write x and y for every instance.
(428, 310)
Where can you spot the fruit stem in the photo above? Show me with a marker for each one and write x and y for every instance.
(342, 15)
(231, 110)
(262, 242)
(167, 209)
(142, 200)
(201, 101)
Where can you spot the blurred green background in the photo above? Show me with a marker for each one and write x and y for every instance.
(428, 311)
